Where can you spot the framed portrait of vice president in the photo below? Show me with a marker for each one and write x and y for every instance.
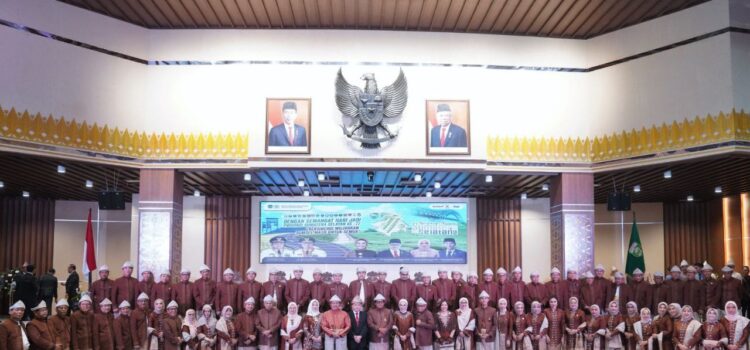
(448, 127)
(288, 122)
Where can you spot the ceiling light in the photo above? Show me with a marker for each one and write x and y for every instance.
(717, 189)
(248, 177)
(306, 193)
(25, 194)
(418, 177)
(301, 183)
(370, 176)
(89, 184)
(524, 195)
(196, 193)
(2, 184)
(545, 187)
(428, 194)
(690, 198)
(488, 178)
(437, 184)
(637, 188)
(60, 169)
(668, 174)
(321, 176)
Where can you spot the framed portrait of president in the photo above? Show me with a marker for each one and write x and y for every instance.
(448, 127)
(288, 122)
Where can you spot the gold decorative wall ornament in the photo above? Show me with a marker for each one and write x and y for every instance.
(711, 130)
(103, 139)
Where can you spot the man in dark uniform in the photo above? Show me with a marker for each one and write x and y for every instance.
(48, 287)
(297, 289)
(27, 289)
(641, 289)
(394, 251)
(102, 288)
(71, 283)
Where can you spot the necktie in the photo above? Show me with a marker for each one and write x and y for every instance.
(290, 134)
(395, 253)
(362, 291)
(443, 130)
(356, 317)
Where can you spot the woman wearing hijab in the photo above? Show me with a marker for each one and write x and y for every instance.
(503, 325)
(644, 330)
(595, 329)
(520, 338)
(226, 330)
(712, 332)
(190, 330)
(614, 325)
(207, 328)
(630, 319)
(575, 323)
(403, 327)
(663, 324)
(556, 321)
(172, 328)
(537, 327)
(445, 327)
(291, 328)
(248, 334)
(686, 331)
(156, 326)
(736, 327)
(311, 327)
(466, 322)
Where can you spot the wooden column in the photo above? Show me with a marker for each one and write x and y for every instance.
(732, 229)
(160, 221)
(572, 221)
(745, 215)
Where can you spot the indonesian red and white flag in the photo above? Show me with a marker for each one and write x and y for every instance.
(89, 258)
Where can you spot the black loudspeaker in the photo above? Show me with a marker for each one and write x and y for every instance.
(618, 201)
(111, 201)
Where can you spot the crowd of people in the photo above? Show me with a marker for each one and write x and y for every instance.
(686, 310)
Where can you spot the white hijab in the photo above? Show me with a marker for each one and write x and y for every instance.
(314, 312)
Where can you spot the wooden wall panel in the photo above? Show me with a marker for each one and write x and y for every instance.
(27, 228)
(498, 233)
(686, 233)
(227, 234)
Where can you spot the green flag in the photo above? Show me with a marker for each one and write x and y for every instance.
(635, 251)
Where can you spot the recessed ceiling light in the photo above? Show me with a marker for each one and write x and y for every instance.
(545, 187)
(488, 178)
(89, 184)
(717, 189)
(321, 176)
(248, 177)
(437, 184)
(306, 193)
(690, 198)
(301, 183)
(428, 194)
(418, 177)
(196, 193)
(25, 194)
(524, 195)
(60, 169)
(637, 188)
(668, 174)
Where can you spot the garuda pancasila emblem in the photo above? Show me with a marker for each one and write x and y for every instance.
(369, 108)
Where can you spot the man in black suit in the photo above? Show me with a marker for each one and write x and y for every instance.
(358, 333)
(48, 287)
(394, 251)
(27, 289)
(449, 250)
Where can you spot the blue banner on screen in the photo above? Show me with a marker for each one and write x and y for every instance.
(363, 232)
